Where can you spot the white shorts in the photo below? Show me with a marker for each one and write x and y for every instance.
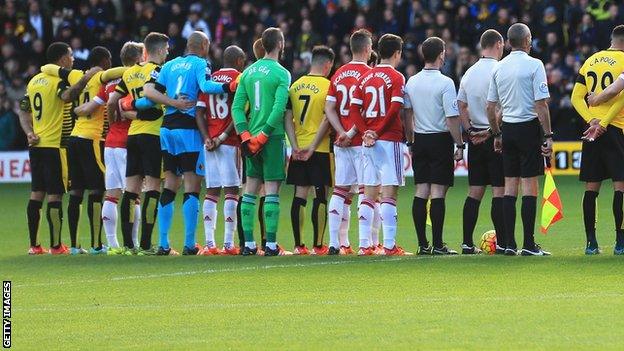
(348, 162)
(115, 162)
(222, 167)
(383, 164)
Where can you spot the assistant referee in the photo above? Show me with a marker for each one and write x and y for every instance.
(519, 85)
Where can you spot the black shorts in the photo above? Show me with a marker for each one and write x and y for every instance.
(485, 166)
(181, 163)
(432, 158)
(48, 167)
(316, 171)
(85, 158)
(522, 149)
(603, 158)
(144, 157)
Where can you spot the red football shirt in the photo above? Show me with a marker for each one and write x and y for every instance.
(377, 90)
(117, 131)
(219, 107)
(343, 82)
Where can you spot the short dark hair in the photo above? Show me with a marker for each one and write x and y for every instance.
(359, 40)
(432, 48)
(322, 54)
(56, 51)
(489, 38)
(155, 41)
(618, 32)
(131, 53)
(271, 37)
(388, 45)
(231, 54)
(517, 34)
(98, 54)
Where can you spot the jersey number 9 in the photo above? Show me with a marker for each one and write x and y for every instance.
(37, 106)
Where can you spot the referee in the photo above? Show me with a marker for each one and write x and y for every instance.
(519, 85)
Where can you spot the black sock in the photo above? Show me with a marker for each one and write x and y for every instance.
(149, 211)
(73, 217)
(54, 214)
(436, 212)
(94, 209)
(419, 215)
(127, 217)
(261, 220)
(618, 216)
(297, 217)
(509, 211)
(528, 212)
(33, 212)
(497, 216)
(239, 225)
(319, 215)
(589, 217)
(471, 213)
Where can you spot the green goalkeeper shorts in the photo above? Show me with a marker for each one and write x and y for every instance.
(270, 163)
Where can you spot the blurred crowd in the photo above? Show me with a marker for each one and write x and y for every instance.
(565, 33)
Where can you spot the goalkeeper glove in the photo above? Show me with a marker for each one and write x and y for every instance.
(245, 138)
(256, 143)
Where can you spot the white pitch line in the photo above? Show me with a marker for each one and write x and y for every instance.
(213, 271)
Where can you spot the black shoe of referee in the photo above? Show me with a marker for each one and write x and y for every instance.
(444, 250)
(425, 251)
(470, 250)
(510, 251)
(500, 250)
(534, 251)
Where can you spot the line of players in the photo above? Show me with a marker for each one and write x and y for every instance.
(178, 119)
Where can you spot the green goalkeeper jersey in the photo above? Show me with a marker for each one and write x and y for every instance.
(264, 85)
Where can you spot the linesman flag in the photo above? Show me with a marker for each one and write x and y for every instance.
(552, 209)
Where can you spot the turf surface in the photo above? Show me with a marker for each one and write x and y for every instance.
(567, 301)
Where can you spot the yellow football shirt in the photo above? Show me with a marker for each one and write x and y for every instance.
(307, 101)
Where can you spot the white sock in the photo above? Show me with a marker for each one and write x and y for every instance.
(376, 226)
(229, 216)
(389, 219)
(334, 216)
(344, 225)
(366, 213)
(271, 245)
(109, 218)
(250, 244)
(136, 224)
(210, 219)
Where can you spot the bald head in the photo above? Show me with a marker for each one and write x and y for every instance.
(234, 57)
(197, 43)
(518, 34)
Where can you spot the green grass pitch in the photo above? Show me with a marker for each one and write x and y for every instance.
(567, 301)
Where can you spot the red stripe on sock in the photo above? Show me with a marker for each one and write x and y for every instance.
(111, 199)
(368, 203)
(231, 197)
(212, 198)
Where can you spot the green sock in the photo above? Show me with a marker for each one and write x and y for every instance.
(271, 216)
(248, 210)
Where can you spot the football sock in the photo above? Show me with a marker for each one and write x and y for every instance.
(271, 217)
(589, 217)
(509, 210)
(419, 215)
(128, 217)
(109, 219)
(261, 220)
(437, 212)
(248, 211)
(190, 209)
(239, 225)
(471, 213)
(618, 216)
(149, 212)
(94, 211)
(374, 239)
(166, 208)
(297, 217)
(344, 225)
(33, 212)
(366, 212)
(319, 215)
(496, 214)
(54, 214)
(528, 212)
(73, 217)
(136, 224)
(229, 219)
(210, 219)
(388, 213)
(335, 217)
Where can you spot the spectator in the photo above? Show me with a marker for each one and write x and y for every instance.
(195, 22)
